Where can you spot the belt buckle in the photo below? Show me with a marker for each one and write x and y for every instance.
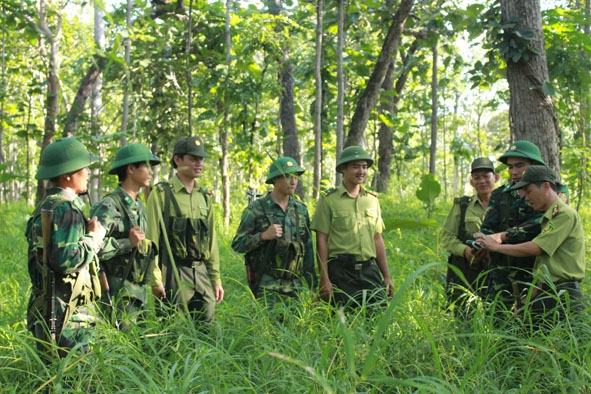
(358, 266)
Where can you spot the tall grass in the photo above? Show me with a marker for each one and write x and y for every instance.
(412, 346)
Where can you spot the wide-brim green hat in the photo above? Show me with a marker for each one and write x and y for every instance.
(281, 166)
(133, 153)
(63, 156)
(523, 149)
(353, 153)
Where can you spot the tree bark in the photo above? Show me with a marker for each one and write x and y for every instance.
(340, 84)
(531, 111)
(318, 102)
(434, 108)
(368, 98)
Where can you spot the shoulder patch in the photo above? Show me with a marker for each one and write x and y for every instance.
(548, 228)
(330, 191)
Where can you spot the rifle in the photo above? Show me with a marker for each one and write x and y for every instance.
(107, 290)
(48, 274)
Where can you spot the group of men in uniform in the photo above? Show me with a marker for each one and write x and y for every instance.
(171, 248)
(520, 246)
(83, 268)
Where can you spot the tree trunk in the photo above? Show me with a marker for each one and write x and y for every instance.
(340, 84)
(385, 134)
(318, 103)
(226, 123)
(368, 98)
(531, 110)
(434, 105)
(127, 57)
(52, 100)
(97, 101)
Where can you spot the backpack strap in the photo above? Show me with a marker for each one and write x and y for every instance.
(464, 201)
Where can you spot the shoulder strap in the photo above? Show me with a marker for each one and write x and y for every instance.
(464, 201)
(123, 207)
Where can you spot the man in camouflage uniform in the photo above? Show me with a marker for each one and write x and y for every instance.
(127, 255)
(274, 234)
(348, 223)
(559, 250)
(510, 219)
(65, 282)
(181, 223)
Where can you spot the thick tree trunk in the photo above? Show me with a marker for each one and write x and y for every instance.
(531, 110)
(368, 98)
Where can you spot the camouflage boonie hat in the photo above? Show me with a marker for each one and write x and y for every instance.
(523, 149)
(482, 163)
(133, 153)
(191, 146)
(353, 153)
(283, 165)
(63, 156)
(537, 173)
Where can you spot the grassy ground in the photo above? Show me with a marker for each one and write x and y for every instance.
(413, 346)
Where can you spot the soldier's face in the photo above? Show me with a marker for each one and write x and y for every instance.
(517, 167)
(483, 181)
(189, 166)
(286, 184)
(536, 196)
(355, 172)
(79, 180)
(142, 175)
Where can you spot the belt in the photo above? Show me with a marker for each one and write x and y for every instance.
(347, 262)
(189, 263)
(567, 285)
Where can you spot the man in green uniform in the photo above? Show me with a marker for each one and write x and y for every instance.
(348, 223)
(181, 223)
(512, 220)
(62, 256)
(559, 247)
(274, 235)
(127, 255)
(463, 220)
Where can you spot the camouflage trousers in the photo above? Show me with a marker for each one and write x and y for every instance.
(76, 333)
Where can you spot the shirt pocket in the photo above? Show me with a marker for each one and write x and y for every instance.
(371, 217)
(342, 220)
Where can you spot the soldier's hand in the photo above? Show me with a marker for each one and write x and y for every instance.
(273, 232)
(93, 225)
(159, 291)
(136, 235)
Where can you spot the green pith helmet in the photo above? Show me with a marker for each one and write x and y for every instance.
(63, 156)
(523, 149)
(191, 146)
(283, 165)
(353, 153)
(133, 153)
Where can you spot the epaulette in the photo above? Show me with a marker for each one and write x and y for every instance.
(160, 186)
(330, 191)
(459, 200)
(371, 192)
(556, 210)
(563, 197)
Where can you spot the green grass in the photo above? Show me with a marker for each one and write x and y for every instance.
(414, 346)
